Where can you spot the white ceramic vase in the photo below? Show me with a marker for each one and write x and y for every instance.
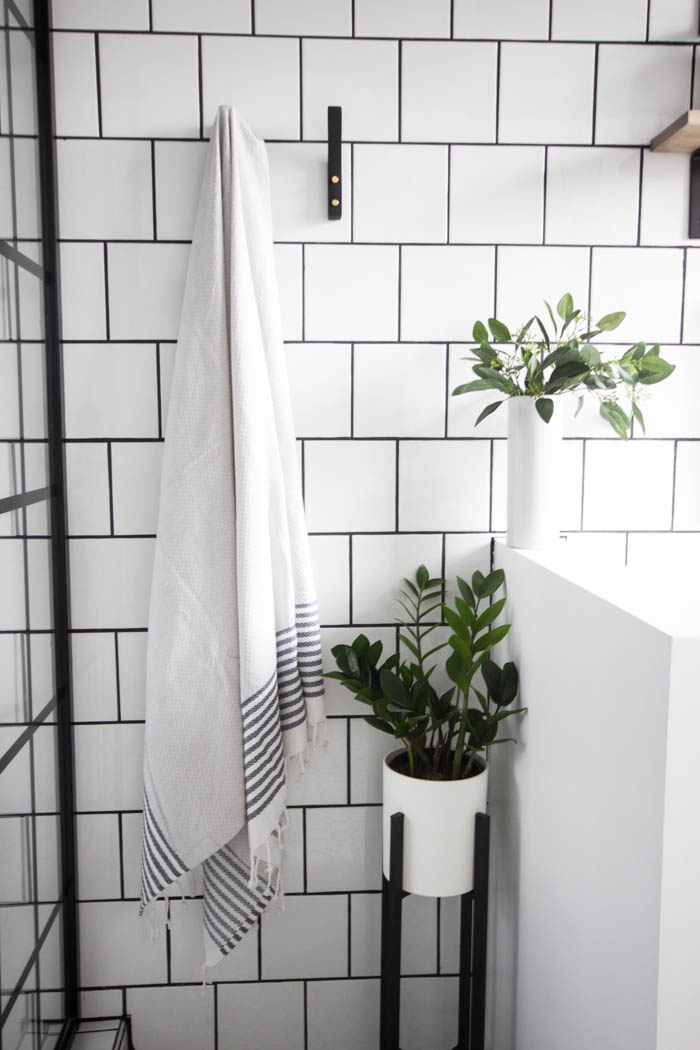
(438, 847)
(534, 475)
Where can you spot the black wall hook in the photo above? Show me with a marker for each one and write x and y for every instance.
(335, 178)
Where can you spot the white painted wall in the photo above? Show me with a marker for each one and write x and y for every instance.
(597, 856)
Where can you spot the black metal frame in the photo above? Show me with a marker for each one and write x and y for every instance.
(335, 162)
(58, 709)
(472, 943)
(694, 193)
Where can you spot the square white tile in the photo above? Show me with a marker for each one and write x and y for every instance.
(104, 190)
(400, 193)
(528, 276)
(186, 948)
(257, 75)
(337, 278)
(172, 1018)
(132, 673)
(671, 410)
(344, 848)
(619, 476)
(641, 89)
(149, 85)
(258, 1016)
(94, 671)
(687, 491)
(360, 76)
(83, 309)
(441, 288)
(87, 488)
(399, 390)
(496, 194)
(110, 390)
(288, 264)
(320, 388)
(98, 856)
(691, 315)
(665, 190)
(110, 582)
(108, 767)
(402, 18)
(429, 1012)
(179, 167)
(308, 939)
(673, 20)
(84, 14)
(448, 92)
(349, 485)
(330, 559)
(206, 16)
(133, 958)
(136, 471)
(325, 777)
(592, 195)
(343, 1014)
(304, 17)
(418, 934)
(379, 566)
(645, 282)
(75, 84)
(146, 285)
(444, 485)
(599, 20)
(502, 19)
(298, 174)
(530, 110)
(464, 409)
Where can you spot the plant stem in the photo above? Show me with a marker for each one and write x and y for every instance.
(411, 764)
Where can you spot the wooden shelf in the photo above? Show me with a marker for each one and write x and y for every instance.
(683, 136)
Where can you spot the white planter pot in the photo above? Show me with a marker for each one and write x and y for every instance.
(534, 475)
(438, 844)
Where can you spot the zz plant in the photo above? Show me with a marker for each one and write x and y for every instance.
(443, 732)
(551, 357)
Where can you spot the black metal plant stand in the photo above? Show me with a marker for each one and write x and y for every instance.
(472, 943)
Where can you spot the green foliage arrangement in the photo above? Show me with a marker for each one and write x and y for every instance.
(443, 734)
(541, 361)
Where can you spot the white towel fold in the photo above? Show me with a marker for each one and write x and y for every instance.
(234, 686)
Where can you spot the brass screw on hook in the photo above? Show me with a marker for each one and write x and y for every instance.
(335, 202)
(335, 178)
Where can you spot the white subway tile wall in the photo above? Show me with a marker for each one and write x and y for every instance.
(494, 154)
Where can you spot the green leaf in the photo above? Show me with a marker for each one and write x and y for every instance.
(466, 592)
(410, 646)
(465, 611)
(491, 673)
(591, 355)
(509, 683)
(487, 411)
(487, 641)
(611, 321)
(637, 413)
(638, 351)
(394, 688)
(616, 417)
(579, 405)
(565, 306)
(543, 330)
(491, 584)
(551, 317)
(545, 408)
(378, 723)
(476, 384)
(477, 583)
(457, 671)
(499, 331)
(489, 615)
(524, 330)
(479, 333)
(460, 646)
(361, 644)
(653, 369)
(422, 576)
(456, 623)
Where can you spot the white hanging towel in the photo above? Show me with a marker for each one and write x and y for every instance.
(234, 686)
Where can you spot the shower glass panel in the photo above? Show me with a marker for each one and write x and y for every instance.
(38, 964)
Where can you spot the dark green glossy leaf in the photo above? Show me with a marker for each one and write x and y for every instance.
(545, 408)
(487, 641)
(492, 582)
(487, 411)
(479, 333)
(499, 331)
(466, 592)
(489, 615)
(637, 413)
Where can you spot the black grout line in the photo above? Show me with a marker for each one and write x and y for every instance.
(396, 488)
(121, 855)
(595, 94)
(200, 87)
(301, 99)
(153, 189)
(545, 176)
(98, 81)
(110, 489)
(498, 93)
(106, 281)
(399, 101)
(117, 675)
(640, 187)
(648, 21)
(673, 484)
(683, 287)
(150, 16)
(252, 17)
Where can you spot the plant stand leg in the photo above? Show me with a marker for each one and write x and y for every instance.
(481, 904)
(392, 894)
(465, 969)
